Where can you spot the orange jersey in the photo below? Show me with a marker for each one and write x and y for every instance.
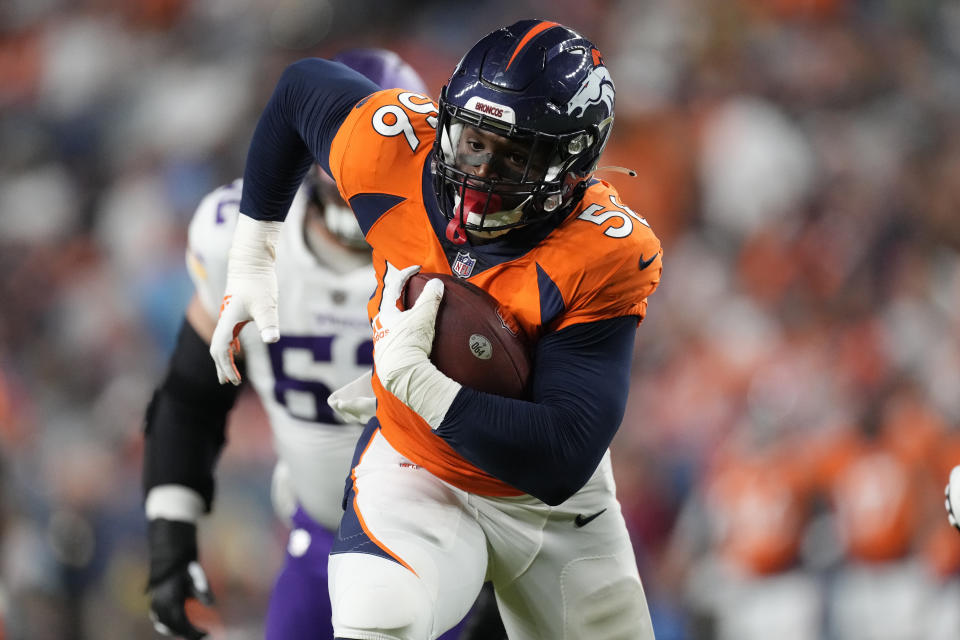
(872, 484)
(759, 500)
(601, 262)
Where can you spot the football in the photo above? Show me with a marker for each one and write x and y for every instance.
(473, 343)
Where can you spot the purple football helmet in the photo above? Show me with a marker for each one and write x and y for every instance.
(384, 68)
(523, 121)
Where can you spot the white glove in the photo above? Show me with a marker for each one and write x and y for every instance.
(402, 341)
(354, 401)
(952, 500)
(250, 294)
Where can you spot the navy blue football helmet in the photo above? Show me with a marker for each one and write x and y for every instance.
(522, 123)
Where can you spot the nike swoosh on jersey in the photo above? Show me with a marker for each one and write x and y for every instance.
(643, 264)
(582, 520)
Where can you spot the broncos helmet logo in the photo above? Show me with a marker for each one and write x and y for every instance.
(596, 89)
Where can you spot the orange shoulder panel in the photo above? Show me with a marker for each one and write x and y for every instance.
(380, 150)
(605, 260)
(383, 143)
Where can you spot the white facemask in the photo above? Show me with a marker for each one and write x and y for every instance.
(343, 225)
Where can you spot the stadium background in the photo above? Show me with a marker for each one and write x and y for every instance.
(797, 381)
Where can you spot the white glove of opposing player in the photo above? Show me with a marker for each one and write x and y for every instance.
(250, 294)
(952, 500)
(355, 401)
(402, 341)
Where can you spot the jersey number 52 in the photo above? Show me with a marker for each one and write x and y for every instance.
(305, 396)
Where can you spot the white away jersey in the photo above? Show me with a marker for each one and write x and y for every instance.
(325, 342)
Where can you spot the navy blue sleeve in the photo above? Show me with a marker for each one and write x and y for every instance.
(308, 105)
(550, 446)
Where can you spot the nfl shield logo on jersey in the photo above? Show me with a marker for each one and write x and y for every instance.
(463, 264)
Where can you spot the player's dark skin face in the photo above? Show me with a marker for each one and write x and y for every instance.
(507, 165)
(488, 155)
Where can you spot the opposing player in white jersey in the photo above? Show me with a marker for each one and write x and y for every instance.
(325, 279)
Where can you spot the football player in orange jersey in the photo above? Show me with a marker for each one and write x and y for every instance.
(881, 484)
(735, 550)
(451, 486)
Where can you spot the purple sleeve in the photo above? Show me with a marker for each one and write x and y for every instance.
(550, 446)
(308, 105)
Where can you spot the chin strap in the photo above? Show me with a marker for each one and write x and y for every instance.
(455, 232)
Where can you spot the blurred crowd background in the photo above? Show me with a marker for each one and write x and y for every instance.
(797, 381)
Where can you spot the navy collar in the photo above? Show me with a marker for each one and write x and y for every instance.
(509, 246)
